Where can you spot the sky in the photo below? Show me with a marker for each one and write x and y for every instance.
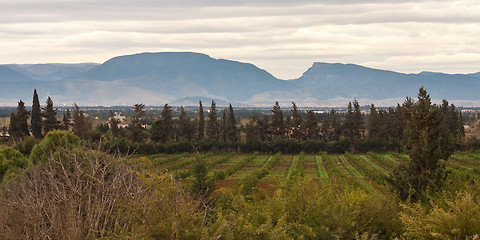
(281, 36)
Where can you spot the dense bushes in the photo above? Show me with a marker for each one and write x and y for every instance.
(12, 162)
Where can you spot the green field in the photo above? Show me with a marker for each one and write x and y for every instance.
(366, 171)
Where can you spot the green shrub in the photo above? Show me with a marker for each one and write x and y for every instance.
(49, 145)
(12, 162)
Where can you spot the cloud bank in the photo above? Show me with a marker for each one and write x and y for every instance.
(283, 37)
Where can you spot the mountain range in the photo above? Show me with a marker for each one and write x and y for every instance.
(184, 78)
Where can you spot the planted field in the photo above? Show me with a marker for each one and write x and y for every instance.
(260, 172)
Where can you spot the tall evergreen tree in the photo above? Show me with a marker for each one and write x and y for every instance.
(21, 119)
(373, 123)
(223, 126)
(231, 126)
(429, 141)
(331, 129)
(184, 131)
(212, 125)
(201, 122)
(277, 120)
(66, 120)
(13, 127)
(50, 121)
(80, 123)
(162, 128)
(296, 122)
(311, 126)
(136, 124)
(253, 128)
(36, 120)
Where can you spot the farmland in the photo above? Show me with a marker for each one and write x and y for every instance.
(266, 173)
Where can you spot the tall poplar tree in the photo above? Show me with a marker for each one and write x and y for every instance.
(36, 120)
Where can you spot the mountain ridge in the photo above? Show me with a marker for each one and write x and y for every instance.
(179, 77)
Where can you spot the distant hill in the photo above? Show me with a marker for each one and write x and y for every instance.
(51, 71)
(185, 78)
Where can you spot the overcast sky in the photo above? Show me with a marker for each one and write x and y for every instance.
(283, 37)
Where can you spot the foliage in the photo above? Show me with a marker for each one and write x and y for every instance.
(455, 217)
(52, 142)
(12, 162)
(428, 142)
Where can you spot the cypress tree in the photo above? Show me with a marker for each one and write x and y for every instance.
(36, 120)
(201, 122)
(223, 127)
(50, 121)
(231, 125)
(212, 125)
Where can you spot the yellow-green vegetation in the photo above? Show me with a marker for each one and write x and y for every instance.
(78, 193)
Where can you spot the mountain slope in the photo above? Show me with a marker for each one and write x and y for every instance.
(187, 74)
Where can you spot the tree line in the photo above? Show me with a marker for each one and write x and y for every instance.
(289, 131)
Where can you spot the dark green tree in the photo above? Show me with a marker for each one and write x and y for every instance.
(36, 120)
(184, 129)
(212, 125)
(277, 125)
(66, 120)
(231, 125)
(311, 126)
(50, 121)
(137, 123)
(331, 128)
(373, 123)
(296, 122)
(113, 125)
(21, 120)
(201, 122)
(428, 141)
(162, 129)
(13, 127)
(81, 126)
(223, 126)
